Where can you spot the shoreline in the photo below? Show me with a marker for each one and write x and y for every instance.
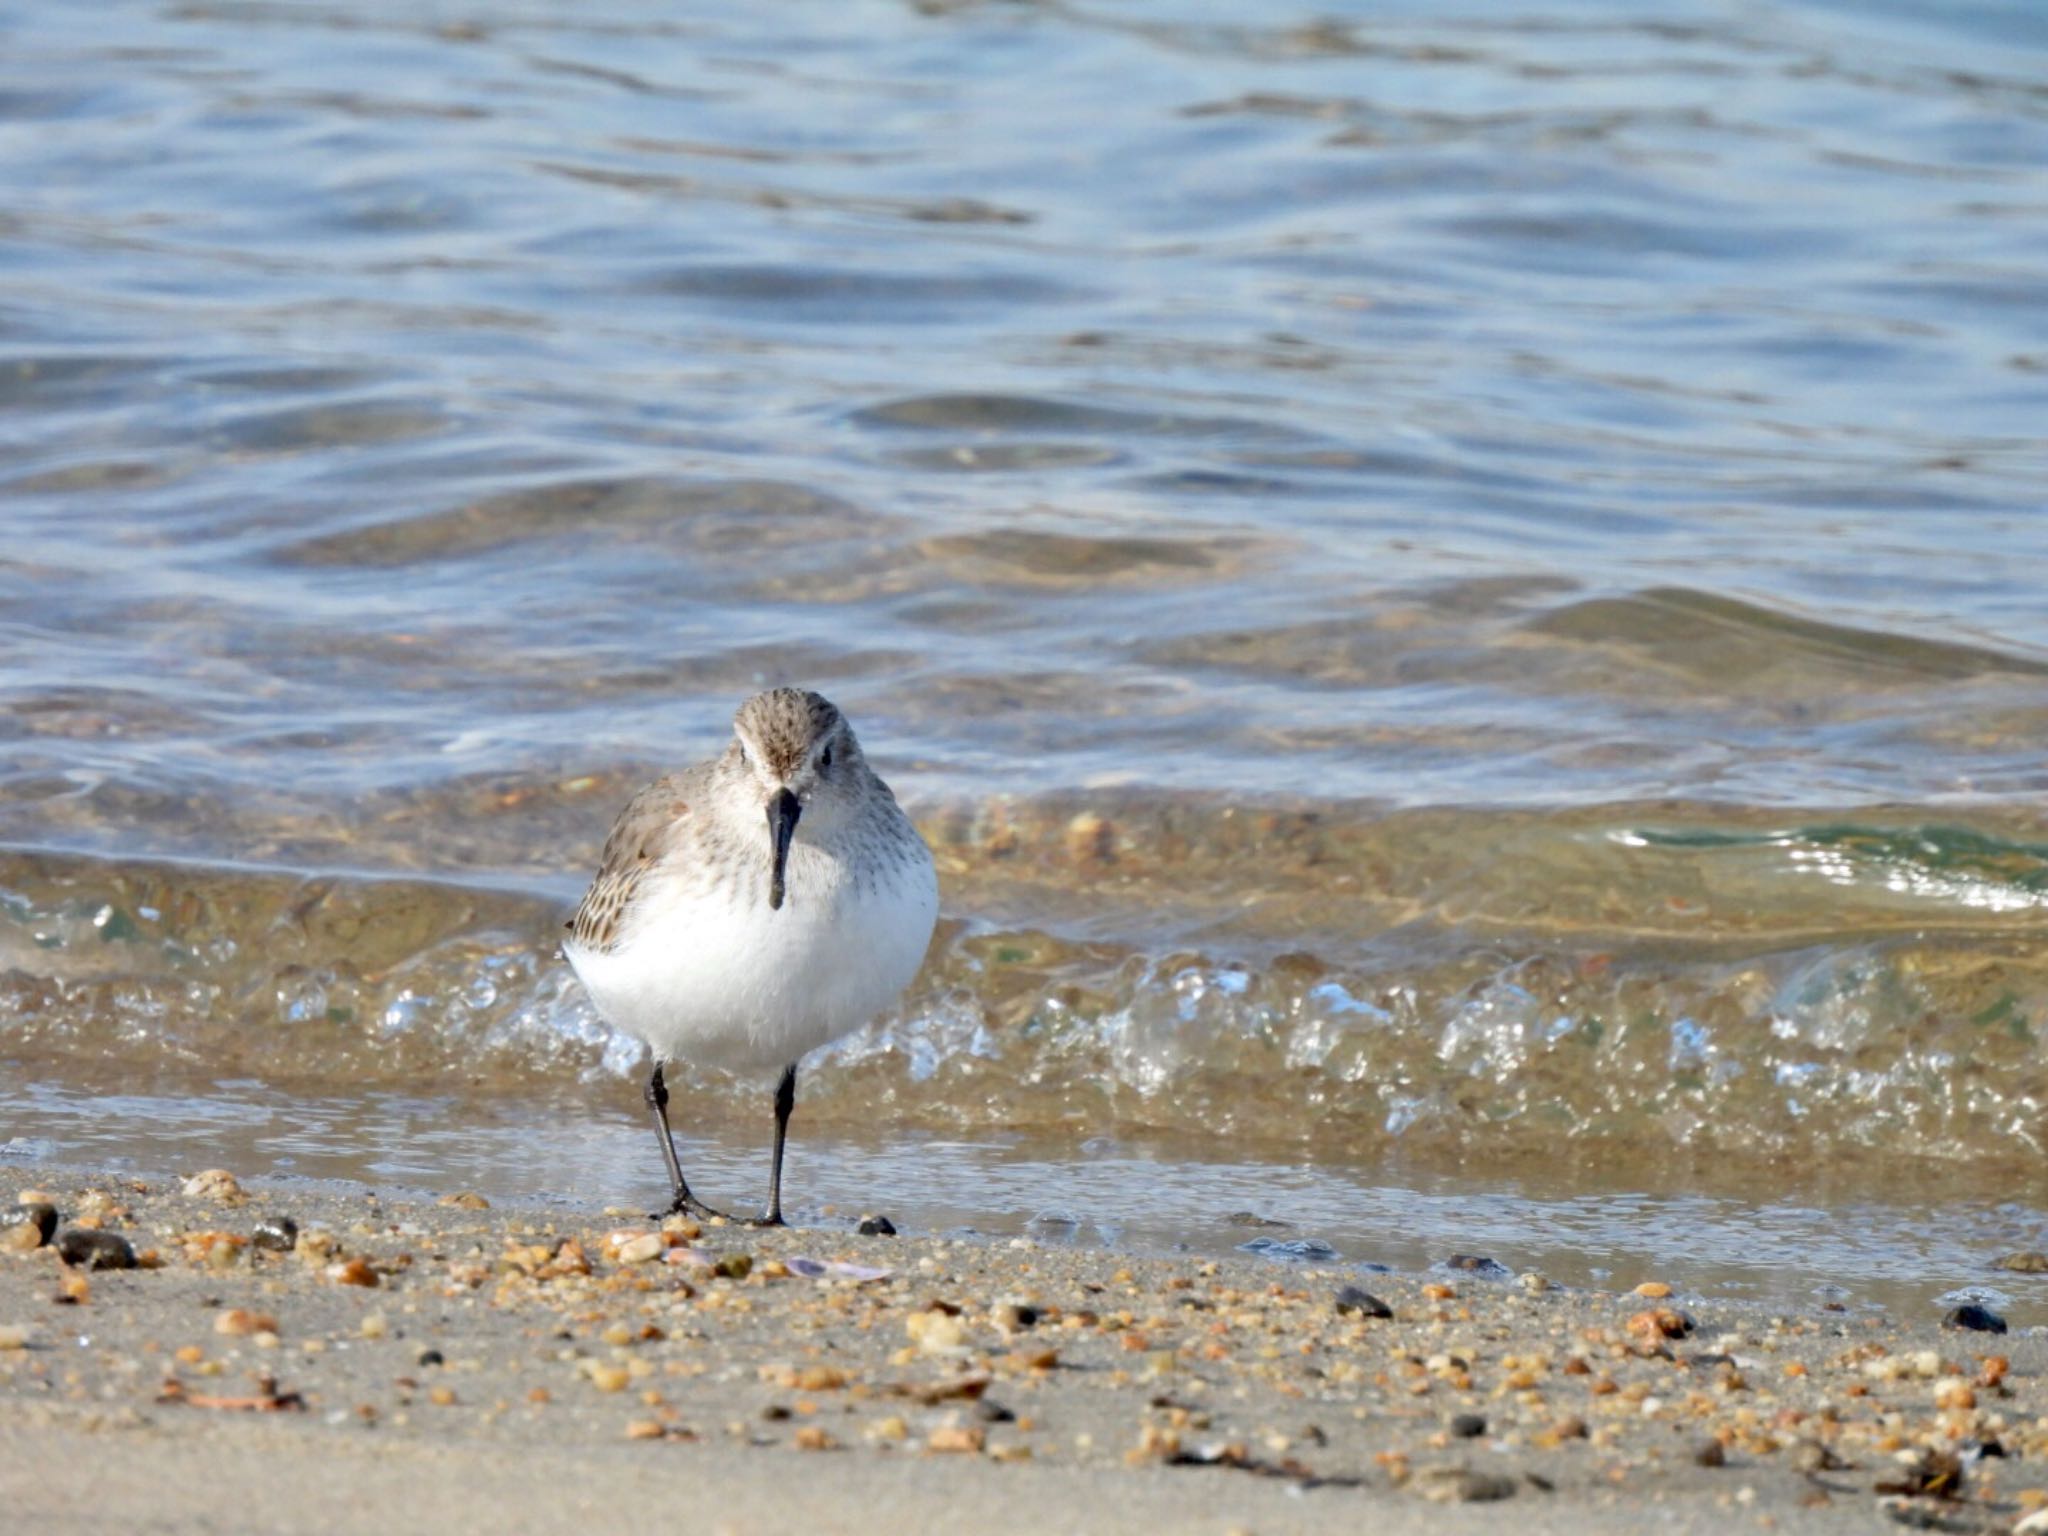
(390, 1359)
(1908, 1246)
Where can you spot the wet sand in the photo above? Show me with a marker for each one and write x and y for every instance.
(387, 1365)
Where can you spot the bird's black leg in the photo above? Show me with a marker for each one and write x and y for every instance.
(684, 1202)
(785, 1101)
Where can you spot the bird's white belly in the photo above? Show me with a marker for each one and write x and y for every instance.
(702, 977)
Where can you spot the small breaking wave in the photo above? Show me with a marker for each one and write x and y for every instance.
(1456, 1030)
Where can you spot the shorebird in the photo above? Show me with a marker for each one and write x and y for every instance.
(754, 907)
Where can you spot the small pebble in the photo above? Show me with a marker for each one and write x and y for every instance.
(2029, 1263)
(1710, 1453)
(241, 1322)
(215, 1184)
(14, 1336)
(29, 1225)
(643, 1249)
(877, 1226)
(936, 1332)
(1659, 1324)
(1812, 1456)
(276, 1234)
(1461, 1485)
(467, 1200)
(1954, 1392)
(352, 1272)
(95, 1250)
(1468, 1426)
(1974, 1319)
(1364, 1303)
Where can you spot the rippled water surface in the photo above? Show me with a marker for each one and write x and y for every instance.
(1460, 595)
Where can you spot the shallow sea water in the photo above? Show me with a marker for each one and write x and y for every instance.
(1458, 594)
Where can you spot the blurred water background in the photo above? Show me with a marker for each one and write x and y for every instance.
(1459, 593)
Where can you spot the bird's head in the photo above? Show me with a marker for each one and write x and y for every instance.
(798, 752)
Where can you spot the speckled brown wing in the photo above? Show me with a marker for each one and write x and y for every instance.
(647, 830)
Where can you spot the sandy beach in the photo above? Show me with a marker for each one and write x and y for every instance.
(334, 1361)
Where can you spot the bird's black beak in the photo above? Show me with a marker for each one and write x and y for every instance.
(783, 812)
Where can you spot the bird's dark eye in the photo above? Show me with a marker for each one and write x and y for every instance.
(825, 760)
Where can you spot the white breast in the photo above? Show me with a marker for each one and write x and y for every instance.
(702, 976)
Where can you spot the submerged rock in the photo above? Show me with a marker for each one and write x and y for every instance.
(1974, 1319)
(1475, 1264)
(1300, 1250)
(2028, 1263)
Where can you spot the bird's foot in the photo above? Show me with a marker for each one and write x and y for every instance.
(688, 1205)
(772, 1219)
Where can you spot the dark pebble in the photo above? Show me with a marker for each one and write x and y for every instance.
(1468, 1426)
(41, 1215)
(1364, 1303)
(1710, 1453)
(95, 1250)
(993, 1412)
(877, 1226)
(279, 1234)
(1974, 1319)
(775, 1413)
(432, 1357)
